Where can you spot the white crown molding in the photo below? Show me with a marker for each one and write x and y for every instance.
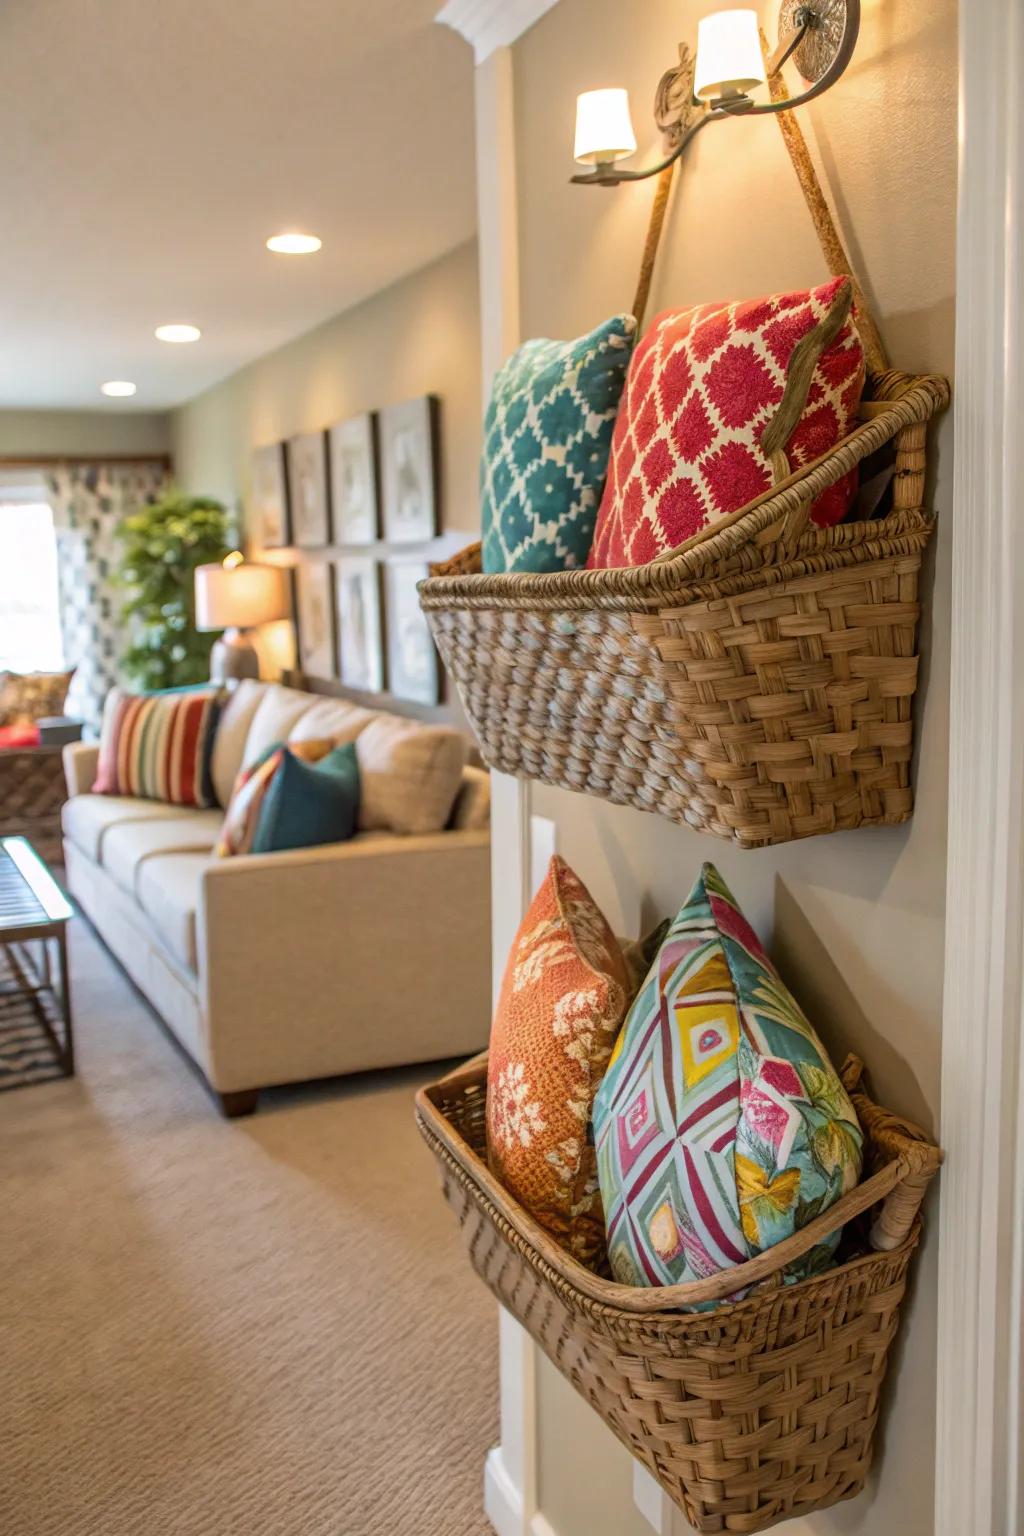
(981, 1258)
(490, 24)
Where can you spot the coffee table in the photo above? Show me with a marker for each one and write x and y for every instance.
(36, 1041)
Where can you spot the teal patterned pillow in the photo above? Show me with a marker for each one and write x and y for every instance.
(547, 437)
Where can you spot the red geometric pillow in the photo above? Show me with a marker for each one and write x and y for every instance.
(702, 387)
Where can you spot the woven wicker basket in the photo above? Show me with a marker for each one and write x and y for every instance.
(749, 1414)
(756, 683)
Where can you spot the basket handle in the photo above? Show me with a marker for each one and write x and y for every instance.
(898, 1138)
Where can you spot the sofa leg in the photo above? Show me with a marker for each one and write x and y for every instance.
(233, 1105)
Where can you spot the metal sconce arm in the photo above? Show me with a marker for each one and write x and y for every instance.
(829, 52)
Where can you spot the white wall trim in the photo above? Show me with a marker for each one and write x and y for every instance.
(491, 24)
(981, 1264)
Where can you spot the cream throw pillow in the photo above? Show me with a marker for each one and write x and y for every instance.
(236, 716)
(409, 774)
(277, 715)
(332, 718)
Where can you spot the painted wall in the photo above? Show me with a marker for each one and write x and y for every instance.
(84, 432)
(421, 336)
(855, 920)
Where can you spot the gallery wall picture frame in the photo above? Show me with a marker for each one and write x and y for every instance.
(352, 453)
(414, 667)
(314, 618)
(409, 470)
(307, 490)
(268, 523)
(360, 628)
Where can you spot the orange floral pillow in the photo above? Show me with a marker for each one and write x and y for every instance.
(563, 999)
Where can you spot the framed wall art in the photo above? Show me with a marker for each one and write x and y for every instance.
(409, 470)
(352, 448)
(307, 490)
(360, 634)
(414, 669)
(314, 618)
(268, 513)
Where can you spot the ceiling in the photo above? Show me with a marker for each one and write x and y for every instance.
(149, 147)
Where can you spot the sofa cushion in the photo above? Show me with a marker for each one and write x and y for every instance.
(26, 697)
(238, 828)
(276, 715)
(334, 719)
(131, 844)
(721, 1125)
(158, 745)
(236, 716)
(168, 892)
(409, 774)
(310, 804)
(563, 998)
(88, 818)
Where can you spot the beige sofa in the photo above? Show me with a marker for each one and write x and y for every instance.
(283, 967)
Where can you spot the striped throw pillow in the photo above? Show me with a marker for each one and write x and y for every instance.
(157, 746)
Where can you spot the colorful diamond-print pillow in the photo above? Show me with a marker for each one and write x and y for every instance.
(563, 998)
(546, 440)
(703, 385)
(721, 1126)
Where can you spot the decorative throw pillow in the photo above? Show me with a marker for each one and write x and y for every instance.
(721, 1126)
(409, 775)
(238, 829)
(309, 804)
(157, 746)
(563, 998)
(703, 386)
(546, 439)
(26, 697)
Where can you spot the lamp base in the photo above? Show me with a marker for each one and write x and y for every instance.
(233, 657)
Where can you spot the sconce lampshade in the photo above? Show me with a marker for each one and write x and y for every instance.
(604, 129)
(241, 596)
(729, 58)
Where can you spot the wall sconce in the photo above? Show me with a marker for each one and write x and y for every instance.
(819, 35)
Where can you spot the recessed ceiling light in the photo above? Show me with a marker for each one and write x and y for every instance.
(117, 387)
(294, 244)
(178, 333)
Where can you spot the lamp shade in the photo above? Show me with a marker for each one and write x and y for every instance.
(729, 58)
(604, 129)
(241, 596)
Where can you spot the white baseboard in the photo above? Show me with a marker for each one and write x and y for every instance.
(503, 1501)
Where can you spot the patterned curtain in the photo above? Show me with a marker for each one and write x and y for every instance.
(89, 502)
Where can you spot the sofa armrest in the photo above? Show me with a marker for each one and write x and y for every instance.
(344, 958)
(81, 759)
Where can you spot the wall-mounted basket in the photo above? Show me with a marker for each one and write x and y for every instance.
(755, 683)
(748, 1414)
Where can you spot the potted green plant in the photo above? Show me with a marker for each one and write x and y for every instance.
(163, 544)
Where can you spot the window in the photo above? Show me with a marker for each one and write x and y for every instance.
(30, 638)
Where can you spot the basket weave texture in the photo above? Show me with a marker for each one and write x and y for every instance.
(755, 1412)
(756, 683)
(32, 792)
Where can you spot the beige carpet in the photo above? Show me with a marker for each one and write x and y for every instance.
(265, 1328)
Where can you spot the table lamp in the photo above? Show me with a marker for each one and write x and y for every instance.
(235, 597)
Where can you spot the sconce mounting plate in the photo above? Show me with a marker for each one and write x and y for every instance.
(826, 22)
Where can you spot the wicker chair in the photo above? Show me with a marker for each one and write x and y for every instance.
(32, 791)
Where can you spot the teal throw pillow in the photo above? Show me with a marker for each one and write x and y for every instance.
(309, 804)
(547, 437)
